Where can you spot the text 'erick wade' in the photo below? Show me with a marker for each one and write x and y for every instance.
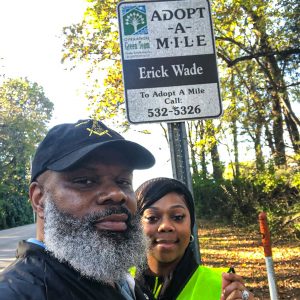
(178, 70)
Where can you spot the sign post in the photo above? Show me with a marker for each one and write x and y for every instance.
(169, 69)
(181, 167)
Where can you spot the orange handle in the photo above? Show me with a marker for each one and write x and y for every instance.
(266, 237)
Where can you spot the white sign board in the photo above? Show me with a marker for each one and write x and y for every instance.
(169, 61)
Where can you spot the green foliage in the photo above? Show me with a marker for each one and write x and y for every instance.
(96, 41)
(258, 51)
(295, 181)
(231, 201)
(257, 46)
(259, 54)
(239, 201)
(24, 113)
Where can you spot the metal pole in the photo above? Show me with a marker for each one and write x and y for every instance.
(266, 241)
(181, 167)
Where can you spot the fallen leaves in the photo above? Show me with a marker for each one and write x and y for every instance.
(222, 245)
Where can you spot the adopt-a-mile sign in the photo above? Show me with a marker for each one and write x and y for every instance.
(169, 61)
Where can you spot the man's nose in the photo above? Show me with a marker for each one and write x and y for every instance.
(111, 194)
(166, 225)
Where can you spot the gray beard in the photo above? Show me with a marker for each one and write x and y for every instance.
(104, 256)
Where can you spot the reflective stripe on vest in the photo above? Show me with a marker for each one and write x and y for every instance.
(205, 284)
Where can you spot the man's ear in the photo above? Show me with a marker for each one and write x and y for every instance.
(36, 194)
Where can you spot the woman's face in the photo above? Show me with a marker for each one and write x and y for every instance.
(167, 223)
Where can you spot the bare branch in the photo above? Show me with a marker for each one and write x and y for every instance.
(283, 54)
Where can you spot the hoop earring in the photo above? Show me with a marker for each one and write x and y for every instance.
(192, 238)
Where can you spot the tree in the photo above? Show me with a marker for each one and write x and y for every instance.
(261, 35)
(96, 41)
(256, 40)
(24, 114)
(257, 46)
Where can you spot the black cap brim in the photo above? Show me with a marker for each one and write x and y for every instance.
(138, 156)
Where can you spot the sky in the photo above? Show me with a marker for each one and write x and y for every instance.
(31, 45)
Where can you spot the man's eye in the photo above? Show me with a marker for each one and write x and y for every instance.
(83, 181)
(125, 182)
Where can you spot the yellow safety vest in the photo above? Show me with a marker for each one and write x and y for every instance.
(205, 284)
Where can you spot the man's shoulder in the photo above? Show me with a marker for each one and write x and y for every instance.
(29, 258)
(36, 275)
(24, 275)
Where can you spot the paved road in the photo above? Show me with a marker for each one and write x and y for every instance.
(9, 239)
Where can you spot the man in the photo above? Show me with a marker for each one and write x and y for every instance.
(87, 232)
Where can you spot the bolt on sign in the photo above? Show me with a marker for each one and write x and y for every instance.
(169, 61)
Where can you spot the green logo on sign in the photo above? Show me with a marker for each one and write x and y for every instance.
(134, 20)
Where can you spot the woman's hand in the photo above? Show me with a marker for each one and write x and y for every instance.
(233, 288)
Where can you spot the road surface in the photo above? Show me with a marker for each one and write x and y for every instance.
(9, 239)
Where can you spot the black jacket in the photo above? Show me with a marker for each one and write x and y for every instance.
(36, 275)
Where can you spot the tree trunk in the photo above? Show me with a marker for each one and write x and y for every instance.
(202, 153)
(192, 147)
(236, 150)
(278, 92)
(279, 158)
(270, 140)
(214, 152)
(216, 163)
(235, 131)
(294, 133)
(259, 161)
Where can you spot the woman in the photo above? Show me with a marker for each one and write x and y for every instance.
(167, 210)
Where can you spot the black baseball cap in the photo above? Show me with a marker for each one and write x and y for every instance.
(66, 144)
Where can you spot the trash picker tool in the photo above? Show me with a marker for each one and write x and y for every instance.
(266, 241)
